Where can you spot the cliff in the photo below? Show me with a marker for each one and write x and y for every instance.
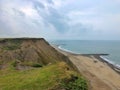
(24, 53)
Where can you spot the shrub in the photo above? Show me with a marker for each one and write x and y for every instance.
(75, 83)
(36, 65)
(14, 63)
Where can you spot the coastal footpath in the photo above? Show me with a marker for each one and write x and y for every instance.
(100, 74)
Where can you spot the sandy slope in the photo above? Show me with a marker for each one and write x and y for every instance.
(24, 53)
(99, 74)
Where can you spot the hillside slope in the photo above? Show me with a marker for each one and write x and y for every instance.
(24, 53)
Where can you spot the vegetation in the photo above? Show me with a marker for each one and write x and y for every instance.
(10, 47)
(14, 63)
(75, 83)
(31, 64)
(50, 77)
(36, 65)
(11, 44)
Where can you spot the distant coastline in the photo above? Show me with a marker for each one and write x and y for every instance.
(92, 47)
(98, 56)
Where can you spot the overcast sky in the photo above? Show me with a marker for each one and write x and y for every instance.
(61, 19)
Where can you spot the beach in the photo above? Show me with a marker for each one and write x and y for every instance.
(100, 74)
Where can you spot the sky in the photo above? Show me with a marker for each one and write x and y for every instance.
(61, 19)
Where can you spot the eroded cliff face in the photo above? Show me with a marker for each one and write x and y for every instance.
(27, 52)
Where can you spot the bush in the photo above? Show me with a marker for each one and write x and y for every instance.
(75, 83)
(14, 63)
(37, 65)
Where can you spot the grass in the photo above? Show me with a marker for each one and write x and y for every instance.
(12, 44)
(45, 78)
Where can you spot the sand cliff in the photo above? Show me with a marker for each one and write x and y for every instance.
(25, 52)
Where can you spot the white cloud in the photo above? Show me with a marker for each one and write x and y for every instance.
(60, 18)
(29, 11)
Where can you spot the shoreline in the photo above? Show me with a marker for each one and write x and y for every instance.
(97, 56)
(100, 74)
(114, 67)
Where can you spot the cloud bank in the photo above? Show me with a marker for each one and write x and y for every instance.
(60, 19)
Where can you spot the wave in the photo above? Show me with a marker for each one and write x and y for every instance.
(110, 62)
(107, 59)
(60, 47)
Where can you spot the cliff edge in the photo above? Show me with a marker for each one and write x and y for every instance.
(24, 53)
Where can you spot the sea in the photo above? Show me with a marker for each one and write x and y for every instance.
(111, 47)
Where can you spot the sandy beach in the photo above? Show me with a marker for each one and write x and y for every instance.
(100, 74)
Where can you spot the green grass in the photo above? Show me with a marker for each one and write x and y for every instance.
(45, 78)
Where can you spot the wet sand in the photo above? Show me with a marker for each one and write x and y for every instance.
(100, 74)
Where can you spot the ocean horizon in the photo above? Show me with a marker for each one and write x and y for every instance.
(111, 47)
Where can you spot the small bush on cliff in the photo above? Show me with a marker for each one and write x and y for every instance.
(14, 63)
(36, 65)
(75, 83)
